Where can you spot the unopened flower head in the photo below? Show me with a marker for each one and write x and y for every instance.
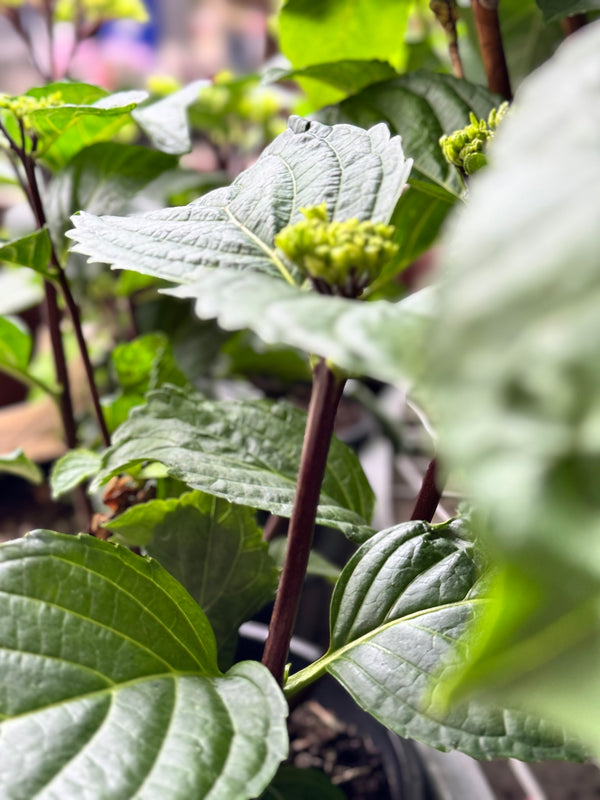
(466, 148)
(343, 256)
(24, 105)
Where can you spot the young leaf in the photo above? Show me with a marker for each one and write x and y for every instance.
(165, 122)
(102, 179)
(357, 173)
(247, 452)
(379, 339)
(32, 250)
(72, 469)
(398, 612)
(87, 688)
(517, 386)
(17, 463)
(213, 548)
(557, 9)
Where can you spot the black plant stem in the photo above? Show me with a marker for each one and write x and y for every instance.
(40, 215)
(429, 495)
(491, 46)
(325, 397)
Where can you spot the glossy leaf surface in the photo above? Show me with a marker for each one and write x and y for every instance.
(519, 406)
(398, 613)
(247, 452)
(213, 548)
(357, 173)
(110, 681)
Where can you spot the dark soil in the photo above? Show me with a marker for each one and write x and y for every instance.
(320, 740)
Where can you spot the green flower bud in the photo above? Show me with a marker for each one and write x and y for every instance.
(466, 148)
(342, 256)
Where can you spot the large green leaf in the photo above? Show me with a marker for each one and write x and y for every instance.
(421, 107)
(212, 547)
(320, 31)
(397, 614)
(517, 379)
(379, 339)
(247, 452)
(102, 179)
(357, 173)
(110, 681)
(557, 9)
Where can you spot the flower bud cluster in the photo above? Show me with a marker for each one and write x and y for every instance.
(339, 257)
(23, 105)
(466, 148)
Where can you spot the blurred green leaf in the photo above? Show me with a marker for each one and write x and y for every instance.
(108, 660)
(318, 565)
(32, 250)
(557, 9)
(100, 10)
(293, 783)
(516, 379)
(17, 463)
(15, 353)
(72, 469)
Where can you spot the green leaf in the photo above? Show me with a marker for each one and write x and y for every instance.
(213, 548)
(379, 338)
(318, 565)
(111, 682)
(421, 107)
(292, 783)
(557, 9)
(15, 353)
(516, 379)
(102, 179)
(346, 77)
(398, 612)
(321, 31)
(89, 115)
(17, 463)
(357, 173)
(166, 123)
(247, 452)
(72, 469)
(32, 250)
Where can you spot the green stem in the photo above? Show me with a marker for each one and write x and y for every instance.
(325, 397)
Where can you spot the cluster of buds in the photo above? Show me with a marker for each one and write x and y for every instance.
(339, 257)
(24, 105)
(466, 148)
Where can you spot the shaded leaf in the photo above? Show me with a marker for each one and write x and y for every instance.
(247, 452)
(292, 783)
(519, 407)
(15, 353)
(357, 173)
(557, 9)
(107, 660)
(213, 548)
(17, 463)
(72, 469)
(102, 179)
(420, 106)
(165, 121)
(379, 338)
(318, 565)
(398, 612)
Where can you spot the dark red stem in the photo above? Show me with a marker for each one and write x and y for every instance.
(491, 46)
(325, 397)
(573, 24)
(429, 495)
